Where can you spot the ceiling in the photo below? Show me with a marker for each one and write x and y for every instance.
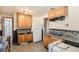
(36, 10)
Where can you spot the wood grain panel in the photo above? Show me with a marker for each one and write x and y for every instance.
(21, 39)
(28, 21)
(57, 12)
(51, 13)
(29, 37)
(61, 11)
(24, 21)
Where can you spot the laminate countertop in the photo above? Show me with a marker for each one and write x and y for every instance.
(68, 39)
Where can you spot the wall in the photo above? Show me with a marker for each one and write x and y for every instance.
(0, 23)
(72, 20)
(15, 21)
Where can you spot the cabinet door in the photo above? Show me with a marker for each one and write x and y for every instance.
(51, 13)
(21, 21)
(61, 11)
(29, 37)
(21, 39)
(57, 12)
(28, 21)
(46, 41)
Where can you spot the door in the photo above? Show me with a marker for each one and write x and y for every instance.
(29, 37)
(21, 21)
(7, 29)
(28, 21)
(37, 35)
(22, 38)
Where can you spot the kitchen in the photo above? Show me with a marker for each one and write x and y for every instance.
(39, 28)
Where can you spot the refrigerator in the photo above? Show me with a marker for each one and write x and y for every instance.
(37, 33)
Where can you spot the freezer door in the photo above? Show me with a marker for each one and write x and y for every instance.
(37, 35)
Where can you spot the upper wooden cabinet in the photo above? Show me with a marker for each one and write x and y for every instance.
(51, 13)
(24, 21)
(61, 11)
(57, 12)
(28, 20)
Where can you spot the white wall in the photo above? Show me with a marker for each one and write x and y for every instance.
(0, 23)
(72, 19)
(15, 21)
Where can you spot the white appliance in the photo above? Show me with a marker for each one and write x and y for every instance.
(37, 27)
(37, 33)
(62, 47)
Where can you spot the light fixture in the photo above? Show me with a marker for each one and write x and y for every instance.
(25, 11)
(28, 11)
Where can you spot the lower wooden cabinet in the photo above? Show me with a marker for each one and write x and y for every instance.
(25, 38)
(29, 37)
(21, 39)
(47, 40)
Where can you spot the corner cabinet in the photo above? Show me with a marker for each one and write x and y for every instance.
(24, 21)
(48, 39)
(57, 12)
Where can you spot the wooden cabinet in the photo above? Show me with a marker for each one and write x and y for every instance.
(29, 37)
(21, 21)
(51, 13)
(28, 21)
(24, 21)
(57, 12)
(61, 11)
(47, 40)
(25, 38)
(21, 39)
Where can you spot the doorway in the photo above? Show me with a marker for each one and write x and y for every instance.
(8, 30)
